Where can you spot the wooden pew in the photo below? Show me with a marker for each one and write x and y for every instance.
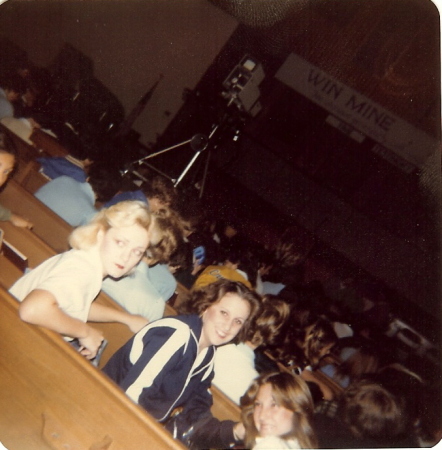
(316, 376)
(28, 243)
(117, 334)
(53, 398)
(47, 144)
(9, 273)
(48, 226)
(26, 152)
(30, 177)
(39, 144)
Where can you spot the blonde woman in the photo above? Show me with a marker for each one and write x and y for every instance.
(59, 293)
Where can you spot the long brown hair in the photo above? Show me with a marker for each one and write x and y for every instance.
(289, 391)
(206, 296)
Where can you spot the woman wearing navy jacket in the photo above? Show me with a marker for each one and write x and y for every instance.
(169, 363)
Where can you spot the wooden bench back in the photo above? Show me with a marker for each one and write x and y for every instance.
(30, 177)
(53, 398)
(48, 226)
(26, 152)
(47, 144)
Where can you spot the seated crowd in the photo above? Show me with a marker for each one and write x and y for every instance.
(306, 364)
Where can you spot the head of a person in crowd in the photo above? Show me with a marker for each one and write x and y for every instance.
(105, 180)
(166, 236)
(319, 340)
(278, 405)
(181, 257)
(14, 86)
(230, 298)
(269, 322)
(239, 256)
(190, 213)
(373, 412)
(120, 233)
(160, 193)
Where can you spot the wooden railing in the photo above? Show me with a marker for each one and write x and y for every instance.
(48, 226)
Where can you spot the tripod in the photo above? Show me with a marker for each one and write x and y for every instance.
(198, 143)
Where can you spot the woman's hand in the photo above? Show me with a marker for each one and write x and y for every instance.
(136, 323)
(20, 222)
(239, 431)
(91, 343)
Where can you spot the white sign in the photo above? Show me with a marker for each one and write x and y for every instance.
(359, 111)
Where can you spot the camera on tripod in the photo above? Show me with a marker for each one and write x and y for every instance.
(242, 85)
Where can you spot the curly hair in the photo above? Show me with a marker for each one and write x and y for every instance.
(289, 391)
(267, 325)
(160, 188)
(205, 296)
(319, 338)
(167, 234)
(121, 214)
(306, 339)
(371, 411)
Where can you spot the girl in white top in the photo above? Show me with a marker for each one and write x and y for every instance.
(277, 413)
(59, 293)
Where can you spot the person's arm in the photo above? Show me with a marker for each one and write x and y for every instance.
(308, 375)
(40, 307)
(210, 432)
(197, 426)
(20, 222)
(102, 313)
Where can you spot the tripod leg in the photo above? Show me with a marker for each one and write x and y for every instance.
(206, 169)
(195, 156)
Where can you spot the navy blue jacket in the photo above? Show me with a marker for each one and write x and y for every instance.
(160, 369)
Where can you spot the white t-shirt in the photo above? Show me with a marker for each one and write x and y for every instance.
(74, 278)
(234, 370)
(136, 293)
(274, 443)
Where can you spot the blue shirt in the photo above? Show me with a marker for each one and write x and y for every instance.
(71, 200)
(163, 280)
(136, 293)
(57, 166)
